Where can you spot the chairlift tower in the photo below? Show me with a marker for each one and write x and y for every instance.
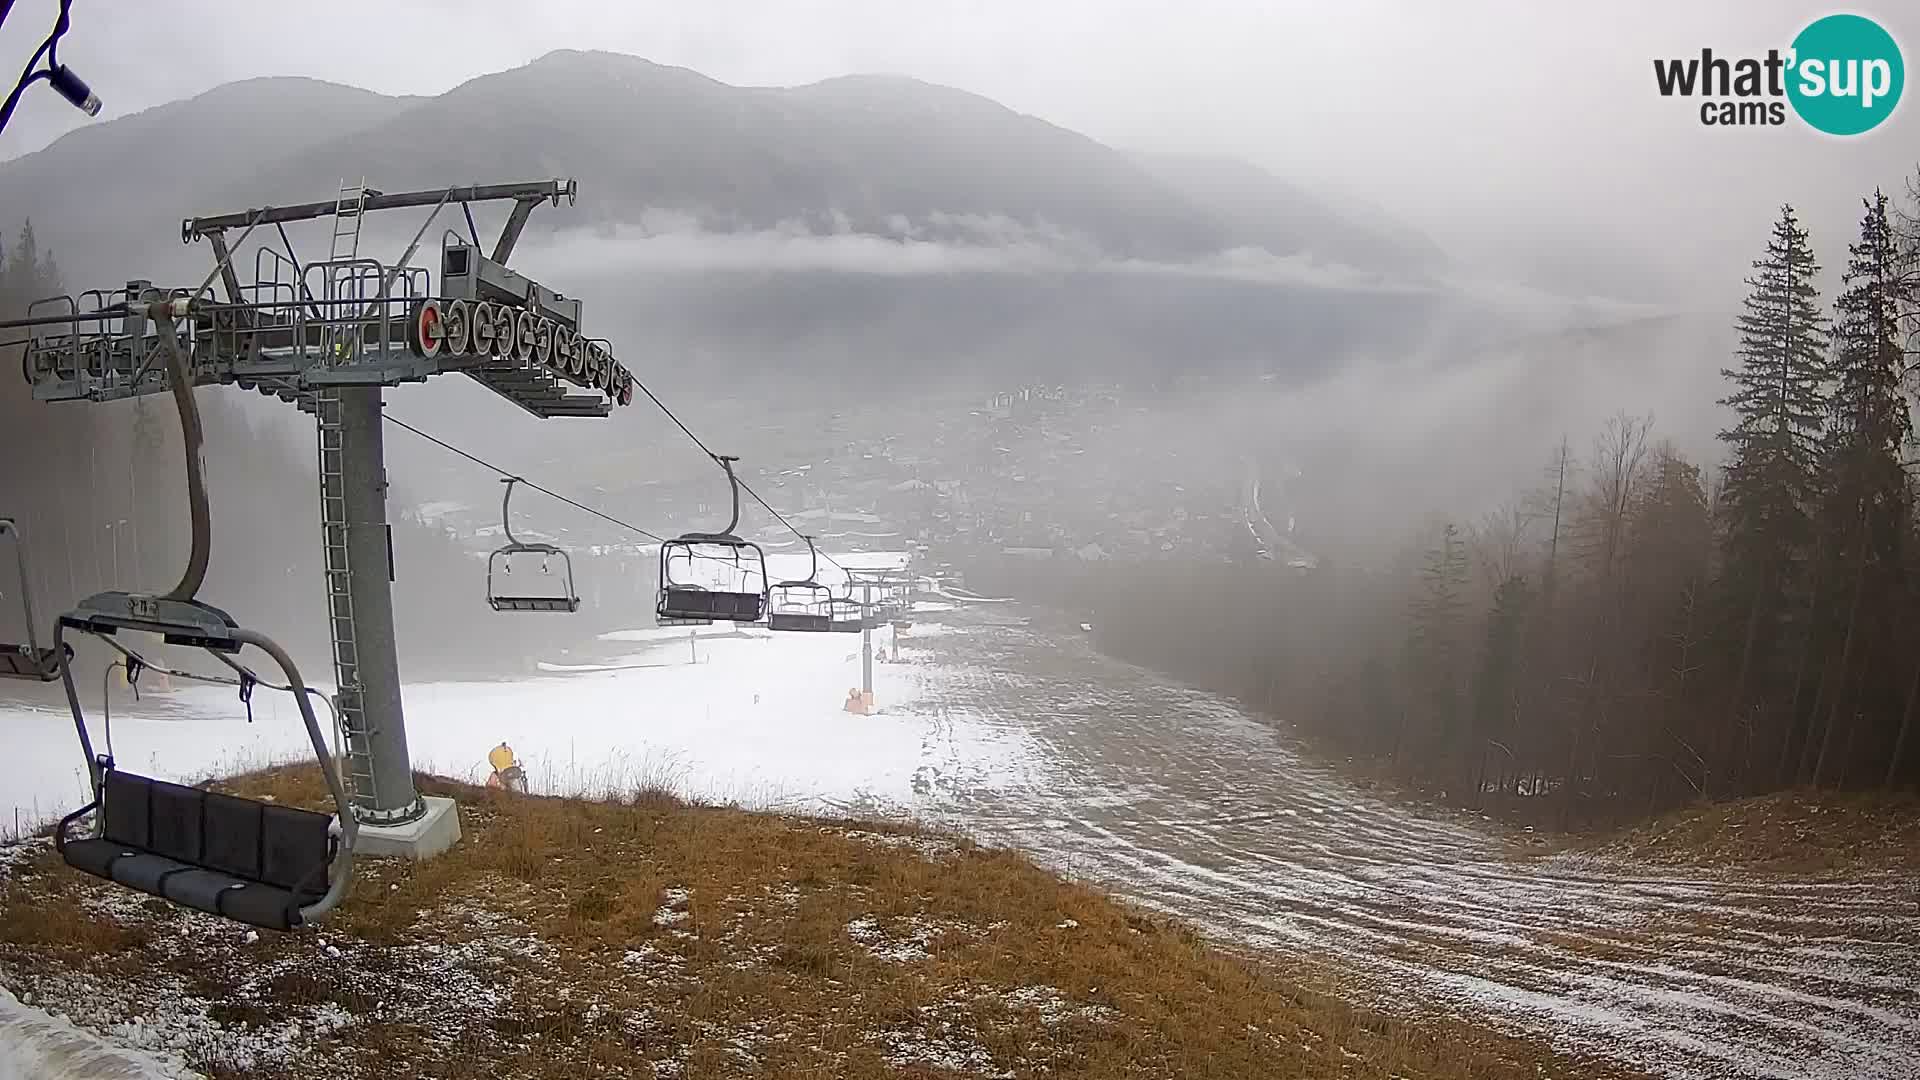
(888, 581)
(328, 337)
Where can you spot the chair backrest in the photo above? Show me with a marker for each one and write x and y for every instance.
(713, 562)
(686, 602)
(281, 846)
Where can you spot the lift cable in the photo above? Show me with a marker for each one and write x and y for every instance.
(604, 516)
(506, 474)
(482, 462)
(744, 486)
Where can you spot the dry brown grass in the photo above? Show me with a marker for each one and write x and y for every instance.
(649, 938)
(1793, 832)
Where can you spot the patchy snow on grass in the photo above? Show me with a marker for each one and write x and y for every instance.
(942, 1042)
(931, 848)
(164, 1021)
(648, 957)
(1054, 1006)
(893, 948)
(235, 1002)
(21, 851)
(673, 911)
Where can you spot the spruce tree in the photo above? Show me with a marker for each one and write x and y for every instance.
(1869, 411)
(1779, 399)
(1863, 508)
(1862, 486)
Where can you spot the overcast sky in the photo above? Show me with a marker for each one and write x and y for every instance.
(1524, 134)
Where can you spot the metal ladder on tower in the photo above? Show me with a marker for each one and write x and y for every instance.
(341, 339)
(355, 732)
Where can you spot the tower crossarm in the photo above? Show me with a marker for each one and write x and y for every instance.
(532, 193)
(296, 330)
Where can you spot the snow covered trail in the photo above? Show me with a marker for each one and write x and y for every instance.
(1173, 797)
(1186, 803)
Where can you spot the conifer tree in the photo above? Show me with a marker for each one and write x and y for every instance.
(1779, 399)
(1863, 509)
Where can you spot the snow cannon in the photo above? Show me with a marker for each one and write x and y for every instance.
(507, 774)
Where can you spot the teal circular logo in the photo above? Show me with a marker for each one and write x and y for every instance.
(1846, 74)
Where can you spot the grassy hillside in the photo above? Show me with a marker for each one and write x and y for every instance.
(1799, 831)
(650, 938)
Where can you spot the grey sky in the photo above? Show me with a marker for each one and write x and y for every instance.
(1505, 130)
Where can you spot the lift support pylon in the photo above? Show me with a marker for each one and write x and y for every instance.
(328, 337)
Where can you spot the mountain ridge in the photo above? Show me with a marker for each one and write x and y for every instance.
(881, 154)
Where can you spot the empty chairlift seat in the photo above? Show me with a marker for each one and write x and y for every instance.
(847, 616)
(253, 862)
(546, 589)
(551, 589)
(802, 605)
(697, 605)
(272, 866)
(713, 576)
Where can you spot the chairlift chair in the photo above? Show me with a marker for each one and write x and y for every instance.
(29, 662)
(804, 605)
(555, 595)
(847, 616)
(713, 577)
(271, 866)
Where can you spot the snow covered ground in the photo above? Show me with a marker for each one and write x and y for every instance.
(1173, 797)
(1188, 804)
(36, 1046)
(756, 720)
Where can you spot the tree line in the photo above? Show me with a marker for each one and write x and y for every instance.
(1639, 630)
(1635, 630)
